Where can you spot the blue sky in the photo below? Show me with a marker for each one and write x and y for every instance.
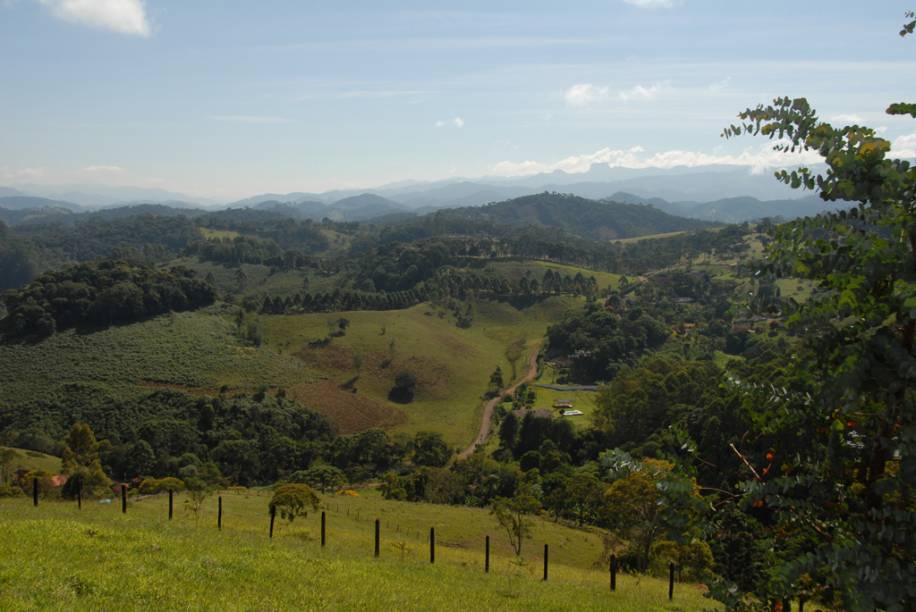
(230, 98)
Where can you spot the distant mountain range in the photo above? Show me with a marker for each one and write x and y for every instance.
(711, 193)
(735, 210)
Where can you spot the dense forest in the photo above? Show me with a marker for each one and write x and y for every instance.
(99, 294)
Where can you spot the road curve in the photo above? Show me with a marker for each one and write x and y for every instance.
(486, 420)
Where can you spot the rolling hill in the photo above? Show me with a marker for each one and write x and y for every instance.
(601, 220)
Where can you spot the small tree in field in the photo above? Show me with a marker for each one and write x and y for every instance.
(81, 462)
(292, 500)
(512, 514)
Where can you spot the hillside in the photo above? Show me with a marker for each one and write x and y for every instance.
(21, 202)
(362, 207)
(91, 559)
(588, 218)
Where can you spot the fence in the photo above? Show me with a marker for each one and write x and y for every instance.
(613, 566)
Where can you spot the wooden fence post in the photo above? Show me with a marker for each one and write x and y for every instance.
(123, 498)
(35, 492)
(546, 553)
(670, 581)
(486, 561)
(219, 513)
(376, 537)
(323, 538)
(171, 502)
(273, 515)
(613, 573)
(432, 544)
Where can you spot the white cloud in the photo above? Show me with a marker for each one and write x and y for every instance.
(457, 122)
(581, 95)
(641, 92)
(19, 174)
(904, 146)
(636, 157)
(103, 169)
(253, 119)
(122, 16)
(845, 118)
(651, 4)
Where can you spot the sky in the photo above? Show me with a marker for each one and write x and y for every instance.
(228, 98)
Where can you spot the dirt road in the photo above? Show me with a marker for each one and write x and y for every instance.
(486, 421)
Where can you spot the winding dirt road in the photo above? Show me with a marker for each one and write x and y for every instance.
(486, 421)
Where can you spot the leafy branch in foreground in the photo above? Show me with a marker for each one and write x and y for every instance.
(838, 505)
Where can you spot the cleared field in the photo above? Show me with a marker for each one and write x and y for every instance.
(258, 279)
(581, 400)
(648, 237)
(33, 460)
(452, 365)
(193, 351)
(98, 557)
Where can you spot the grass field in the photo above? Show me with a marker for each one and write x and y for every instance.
(65, 558)
(452, 365)
(648, 237)
(33, 460)
(193, 351)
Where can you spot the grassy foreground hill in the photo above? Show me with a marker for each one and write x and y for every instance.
(62, 557)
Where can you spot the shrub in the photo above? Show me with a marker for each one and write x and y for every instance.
(324, 478)
(292, 500)
(152, 486)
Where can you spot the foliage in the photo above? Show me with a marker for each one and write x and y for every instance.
(100, 294)
(293, 500)
(512, 514)
(599, 342)
(82, 462)
(647, 501)
(405, 385)
(430, 449)
(153, 486)
(321, 477)
(838, 502)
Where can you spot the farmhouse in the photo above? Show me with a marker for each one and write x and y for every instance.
(572, 413)
(563, 403)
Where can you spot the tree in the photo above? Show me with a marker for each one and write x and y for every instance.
(81, 462)
(514, 352)
(7, 456)
(839, 498)
(508, 431)
(293, 500)
(405, 384)
(430, 449)
(647, 501)
(512, 515)
(323, 477)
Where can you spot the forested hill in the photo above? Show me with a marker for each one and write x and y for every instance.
(589, 218)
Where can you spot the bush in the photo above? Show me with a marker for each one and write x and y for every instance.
(324, 478)
(292, 500)
(694, 559)
(152, 486)
(405, 385)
